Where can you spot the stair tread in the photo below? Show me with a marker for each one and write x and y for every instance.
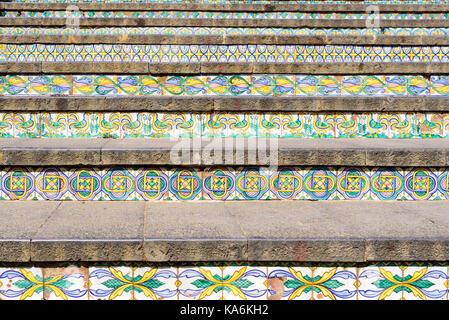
(224, 231)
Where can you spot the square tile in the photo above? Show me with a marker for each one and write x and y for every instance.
(118, 184)
(106, 125)
(69, 283)
(353, 184)
(151, 183)
(80, 125)
(294, 125)
(286, 184)
(18, 183)
(152, 283)
(21, 284)
(50, 184)
(425, 283)
(200, 283)
(402, 125)
(84, 85)
(84, 184)
(252, 183)
(387, 183)
(111, 283)
(26, 125)
(420, 183)
(214, 125)
(53, 125)
(306, 85)
(334, 283)
(240, 85)
(348, 125)
(284, 85)
(396, 85)
(135, 125)
(376, 125)
(216, 85)
(218, 183)
(185, 184)
(429, 125)
(241, 125)
(243, 283)
(7, 125)
(268, 124)
(379, 283)
(321, 125)
(289, 283)
(320, 183)
(262, 85)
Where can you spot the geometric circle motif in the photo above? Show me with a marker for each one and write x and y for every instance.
(420, 184)
(353, 183)
(152, 184)
(18, 183)
(319, 183)
(51, 183)
(252, 183)
(185, 184)
(286, 183)
(443, 183)
(84, 184)
(219, 183)
(118, 184)
(386, 184)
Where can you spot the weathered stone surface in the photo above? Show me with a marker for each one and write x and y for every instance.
(229, 23)
(192, 231)
(19, 222)
(91, 231)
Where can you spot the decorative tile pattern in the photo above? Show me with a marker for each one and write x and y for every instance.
(225, 85)
(224, 183)
(222, 53)
(218, 125)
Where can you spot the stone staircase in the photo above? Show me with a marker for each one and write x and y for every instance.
(171, 150)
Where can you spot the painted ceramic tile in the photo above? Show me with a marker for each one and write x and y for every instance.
(151, 183)
(252, 183)
(320, 183)
(26, 125)
(201, 283)
(286, 183)
(353, 183)
(50, 184)
(402, 125)
(242, 283)
(330, 85)
(219, 183)
(240, 85)
(396, 85)
(21, 284)
(6, 125)
(84, 184)
(418, 85)
(113, 283)
(306, 85)
(334, 283)
(387, 183)
(217, 85)
(439, 85)
(18, 183)
(152, 283)
(429, 125)
(118, 184)
(268, 125)
(83, 84)
(69, 283)
(284, 85)
(185, 184)
(106, 125)
(348, 125)
(294, 125)
(241, 125)
(289, 283)
(214, 125)
(374, 85)
(53, 125)
(420, 183)
(380, 283)
(322, 125)
(376, 125)
(424, 283)
(80, 125)
(135, 125)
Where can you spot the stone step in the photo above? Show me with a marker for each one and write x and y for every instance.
(206, 67)
(353, 6)
(300, 231)
(358, 152)
(159, 39)
(235, 23)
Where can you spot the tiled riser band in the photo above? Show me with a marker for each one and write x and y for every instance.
(218, 125)
(225, 85)
(225, 53)
(221, 31)
(225, 183)
(222, 15)
(127, 282)
(231, 1)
